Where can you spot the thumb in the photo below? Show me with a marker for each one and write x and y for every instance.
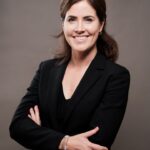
(90, 132)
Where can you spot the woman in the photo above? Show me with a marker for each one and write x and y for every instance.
(77, 100)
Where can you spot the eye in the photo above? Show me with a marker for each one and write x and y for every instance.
(88, 19)
(71, 19)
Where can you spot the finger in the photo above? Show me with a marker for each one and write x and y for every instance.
(29, 116)
(105, 148)
(91, 132)
(32, 113)
(36, 110)
(37, 114)
(97, 147)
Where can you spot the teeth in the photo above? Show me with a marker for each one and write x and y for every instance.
(80, 38)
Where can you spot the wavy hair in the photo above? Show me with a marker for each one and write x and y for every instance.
(106, 45)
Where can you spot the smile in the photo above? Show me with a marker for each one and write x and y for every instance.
(81, 38)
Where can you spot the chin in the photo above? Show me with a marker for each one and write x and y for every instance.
(83, 48)
(80, 49)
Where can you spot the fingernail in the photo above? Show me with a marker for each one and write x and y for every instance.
(97, 127)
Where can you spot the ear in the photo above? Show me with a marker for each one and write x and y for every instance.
(101, 26)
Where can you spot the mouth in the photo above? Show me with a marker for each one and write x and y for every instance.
(81, 38)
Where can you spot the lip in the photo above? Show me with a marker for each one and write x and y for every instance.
(80, 38)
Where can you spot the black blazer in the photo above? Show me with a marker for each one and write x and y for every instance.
(99, 100)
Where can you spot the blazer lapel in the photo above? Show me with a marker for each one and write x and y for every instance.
(90, 77)
(55, 80)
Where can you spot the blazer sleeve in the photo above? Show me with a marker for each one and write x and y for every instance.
(109, 114)
(24, 130)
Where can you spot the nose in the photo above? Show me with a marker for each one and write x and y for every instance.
(79, 27)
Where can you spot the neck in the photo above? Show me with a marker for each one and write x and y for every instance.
(79, 59)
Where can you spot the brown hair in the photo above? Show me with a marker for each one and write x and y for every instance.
(106, 45)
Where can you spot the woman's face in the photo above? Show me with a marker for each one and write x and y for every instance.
(81, 27)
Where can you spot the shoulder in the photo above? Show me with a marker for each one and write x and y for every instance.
(49, 63)
(114, 67)
(108, 66)
(117, 71)
(115, 75)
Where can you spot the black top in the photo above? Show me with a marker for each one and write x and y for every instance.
(63, 106)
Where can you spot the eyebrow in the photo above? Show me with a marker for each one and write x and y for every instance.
(71, 16)
(88, 16)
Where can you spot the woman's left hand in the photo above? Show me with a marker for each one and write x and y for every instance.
(35, 115)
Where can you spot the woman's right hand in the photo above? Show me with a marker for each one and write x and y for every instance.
(34, 115)
(81, 142)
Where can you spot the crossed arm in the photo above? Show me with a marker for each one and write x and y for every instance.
(26, 127)
(76, 142)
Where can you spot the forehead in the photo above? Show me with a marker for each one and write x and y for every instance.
(81, 8)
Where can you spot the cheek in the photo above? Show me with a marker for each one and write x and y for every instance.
(67, 30)
(94, 30)
(67, 33)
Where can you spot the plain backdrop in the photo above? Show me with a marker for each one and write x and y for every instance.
(26, 29)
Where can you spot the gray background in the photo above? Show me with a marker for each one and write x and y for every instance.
(25, 29)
